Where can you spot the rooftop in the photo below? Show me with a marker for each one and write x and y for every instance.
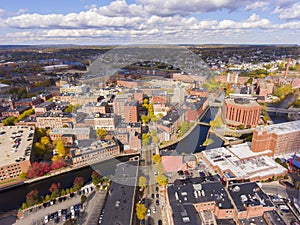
(242, 102)
(281, 128)
(14, 140)
(247, 195)
(118, 208)
(66, 130)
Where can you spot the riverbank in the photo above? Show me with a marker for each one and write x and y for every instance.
(59, 172)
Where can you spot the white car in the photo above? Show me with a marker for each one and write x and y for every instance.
(148, 212)
(59, 213)
(46, 219)
(153, 209)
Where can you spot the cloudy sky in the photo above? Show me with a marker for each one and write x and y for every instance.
(141, 21)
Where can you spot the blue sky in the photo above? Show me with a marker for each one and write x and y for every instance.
(142, 21)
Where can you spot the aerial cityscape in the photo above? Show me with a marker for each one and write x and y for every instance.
(147, 112)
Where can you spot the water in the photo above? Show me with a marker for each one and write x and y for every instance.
(13, 198)
(193, 142)
(281, 118)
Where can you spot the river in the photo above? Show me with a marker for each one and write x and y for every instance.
(193, 142)
(14, 197)
(281, 118)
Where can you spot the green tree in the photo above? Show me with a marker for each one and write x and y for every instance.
(140, 210)
(83, 199)
(23, 175)
(25, 114)
(60, 147)
(24, 206)
(142, 182)
(9, 121)
(78, 183)
(40, 132)
(101, 133)
(96, 177)
(39, 148)
(32, 198)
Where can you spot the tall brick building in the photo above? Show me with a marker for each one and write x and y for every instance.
(241, 112)
(279, 138)
(131, 112)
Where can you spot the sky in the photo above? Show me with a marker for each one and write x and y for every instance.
(102, 22)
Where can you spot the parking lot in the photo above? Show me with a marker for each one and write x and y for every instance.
(59, 210)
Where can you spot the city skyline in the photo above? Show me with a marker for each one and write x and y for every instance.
(143, 21)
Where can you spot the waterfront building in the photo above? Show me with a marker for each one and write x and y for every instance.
(15, 151)
(280, 138)
(241, 111)
(90, 152)
(240, 163)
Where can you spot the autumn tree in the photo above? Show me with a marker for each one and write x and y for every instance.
(54, 189)
(58, 163)
(38, 169)
(60, 148)
(156, 158)
(96, 177)
(145, 118)
(39, 148)
(140, 210)
(45, 140)
(142, 182)
(161, 179)
(78, 183)
(32, 198)
(40, 132)
(101, 133)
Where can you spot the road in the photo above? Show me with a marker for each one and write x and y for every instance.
(276, 188)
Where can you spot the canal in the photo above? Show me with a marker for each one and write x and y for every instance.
(193, 142)
(285, 103)
(14, 197)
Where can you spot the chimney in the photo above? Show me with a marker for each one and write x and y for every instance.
(287, 68)
(12, 104)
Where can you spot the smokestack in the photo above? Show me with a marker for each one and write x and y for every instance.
(287, 68)
(12, 104)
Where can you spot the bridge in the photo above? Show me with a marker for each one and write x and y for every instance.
(283, 110)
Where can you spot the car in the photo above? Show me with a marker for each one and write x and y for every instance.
(46, 219)
(64, 217)
(56, 220)
(157, 202)
(148, 212)
(152, 195)
(72, 208)
(59, 212)
(156, 189)
(153, 209)
(180, 172)
(64, 211)
(159, 222)
(55, 214)
(51, 217)
(72, 195)
(157, 195)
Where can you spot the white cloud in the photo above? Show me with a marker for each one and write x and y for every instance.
(4, 13)
(173, 7)
(259, 6)
(288, 13)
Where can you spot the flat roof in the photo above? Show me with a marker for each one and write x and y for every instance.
(244, 104)
(66, 130)
(118, 209)
(242, 162)
(281, 128)
(248, 194)
(9, 151)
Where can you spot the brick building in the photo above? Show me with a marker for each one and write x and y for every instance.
(55, 120)
(160, 97)
(28, 102)
(131, 113)
(241, 111)
(43, 107)
(279, 138)
(129, 134)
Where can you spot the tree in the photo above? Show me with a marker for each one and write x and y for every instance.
(140, 210)
(96, 177)
(38, 169)
(39, 148)
(78, 183)
(60, 147)
(57, 163)
(32, 198)
(45, 140)
(54, 189)
(83, 199)
(25, 114)
(40, 132)
(145, 118)
(23, 175)
(156, 158)
(9, 121)
(142, 182)
(145, 139)
(161, 179)
(24, 206)
(101, 133)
